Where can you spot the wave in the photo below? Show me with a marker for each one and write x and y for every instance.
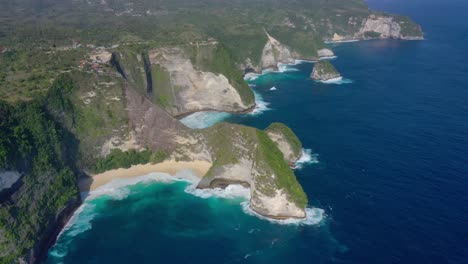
(261, 105)
(329, 58)
(115, 190)
(313, 216)
(304, 61)
(341, 41)
(251, 76)
(269, 70)
(286, 67)
(307, 157)
(339, 80)
(204, 119)
(230, 192)
(81, 221)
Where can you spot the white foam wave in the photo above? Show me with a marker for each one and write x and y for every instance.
(261, 105)
(200, 120)
(328, 58)
(313, 216)
(269, 70)
(303, 61)
(307, 157)
(81, 221)
(339, 80)
(115, 190)
(342, 41)
(273, 88)
(286, 67)
(230, 192)
(204, 119)
(251, 76)
(85, 213)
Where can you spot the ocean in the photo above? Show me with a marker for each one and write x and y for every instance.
(386, 173)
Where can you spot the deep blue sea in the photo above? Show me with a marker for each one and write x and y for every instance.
(389, 166)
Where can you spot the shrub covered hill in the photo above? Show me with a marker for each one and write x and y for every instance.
(90, 86)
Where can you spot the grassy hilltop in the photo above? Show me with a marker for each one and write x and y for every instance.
(80, 94)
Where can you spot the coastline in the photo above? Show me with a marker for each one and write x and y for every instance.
(366, 39)
(245, 111)
(199, 168)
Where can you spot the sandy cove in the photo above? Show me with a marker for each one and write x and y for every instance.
(199, 168)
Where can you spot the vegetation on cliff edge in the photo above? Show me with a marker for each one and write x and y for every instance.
(289, 135)
(285, 176)
(33, 144)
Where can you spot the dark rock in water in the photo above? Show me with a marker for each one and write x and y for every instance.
(324, 71)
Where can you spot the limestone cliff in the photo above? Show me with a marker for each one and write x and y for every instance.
(187, 89)
(325, 53)
(382, 26)
(286, 140)
(324, 71)
(247, 156)
(274, 52)
(240, 155)
(186, 79)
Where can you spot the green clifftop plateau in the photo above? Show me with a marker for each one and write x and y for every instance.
(88, 86)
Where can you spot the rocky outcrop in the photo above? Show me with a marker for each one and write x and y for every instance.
(249, 157)
(325, 53)
(274, 52)
(324, 71)
(187, 90)
(152, 126)
(286, 140)
(185, 79)
(381, 26)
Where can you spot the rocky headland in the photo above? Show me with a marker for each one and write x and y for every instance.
(324, 71)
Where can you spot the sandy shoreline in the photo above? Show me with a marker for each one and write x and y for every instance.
(199, 168)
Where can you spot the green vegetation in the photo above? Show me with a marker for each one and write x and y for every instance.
(125, 159)
(305, 42)
(33, 144)
(408, 27)
(292, 139)
(132, 64)
(285, 176)
(91, 107)
(225, 140)
(162, 89)
(27, 73)
(216, 58)
(55, 116)
(323, 69)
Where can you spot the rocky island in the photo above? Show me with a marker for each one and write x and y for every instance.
(105, 87)
(324, 71)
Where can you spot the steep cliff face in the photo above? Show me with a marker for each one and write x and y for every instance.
(325, 53)
(286, 140)
(247, 156)
(40, 202)
(324, 71)
(182, 89)
(274, 52)
(382, 26)
(186, 79)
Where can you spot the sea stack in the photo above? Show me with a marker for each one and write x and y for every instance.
(324, 71)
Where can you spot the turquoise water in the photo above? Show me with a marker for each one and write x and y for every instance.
(161, 220)
(387, 164)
